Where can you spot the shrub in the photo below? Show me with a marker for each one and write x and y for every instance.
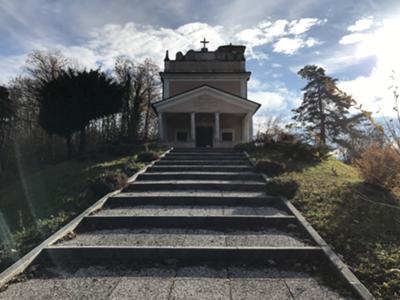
(108, 183)
(303, 152)
(246, 146)
(148, 156)
(278, 187)
(270, 168)
(286, 137)
(380, 167)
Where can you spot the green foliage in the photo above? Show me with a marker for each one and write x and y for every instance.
(245, 146)
(361, 222)
(33, 209)
(269, 167)
(290, 149)
(303, 152)
(69, 102)
(324, 112)
(283, 188)
(147, 156)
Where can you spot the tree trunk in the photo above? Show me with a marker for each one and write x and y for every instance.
(82, 141)
(69, 146)
(322, 132)
(147, 121)
(134, 125)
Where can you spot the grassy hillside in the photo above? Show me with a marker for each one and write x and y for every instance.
(40, 203)
(361, 222)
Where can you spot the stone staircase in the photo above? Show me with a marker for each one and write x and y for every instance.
(198, 224)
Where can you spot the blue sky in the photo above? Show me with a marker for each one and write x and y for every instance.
(357, 41)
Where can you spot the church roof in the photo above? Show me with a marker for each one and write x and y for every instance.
(226, 58)
(240, 100)
(223, 53)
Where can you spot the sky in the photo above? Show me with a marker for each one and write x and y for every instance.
(356, 41)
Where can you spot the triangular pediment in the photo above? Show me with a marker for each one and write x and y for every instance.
(206, 99)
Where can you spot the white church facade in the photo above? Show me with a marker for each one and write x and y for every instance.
(204, 101)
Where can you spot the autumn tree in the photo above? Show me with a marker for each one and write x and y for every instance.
(324, 113)
(71, 101)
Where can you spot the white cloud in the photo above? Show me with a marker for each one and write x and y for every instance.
(292, 45)
(135, 41)
(302, 25)
(372, 90)
(10, 66)
(274, 99)
(256, 85)
(311, 42)
(361, 24)
(287, 36)
(353, 38)
(268, 100)
(263, 33)
(288, 45)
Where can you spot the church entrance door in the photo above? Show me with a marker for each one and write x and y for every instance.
(204, 136)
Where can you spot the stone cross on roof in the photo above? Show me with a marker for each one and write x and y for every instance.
(204, 42)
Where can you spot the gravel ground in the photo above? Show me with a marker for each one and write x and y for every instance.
(185, 237)
(182, 210)
(201, 282)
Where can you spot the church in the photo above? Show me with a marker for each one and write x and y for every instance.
(204, 101)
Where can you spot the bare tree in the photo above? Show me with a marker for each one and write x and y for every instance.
(153, 93)
(142, 87)
(392, 125)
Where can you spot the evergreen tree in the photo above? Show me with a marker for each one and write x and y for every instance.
(7, 113)
(324, 111)
(69, 102)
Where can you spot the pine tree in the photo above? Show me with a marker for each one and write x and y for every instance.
(324, 111)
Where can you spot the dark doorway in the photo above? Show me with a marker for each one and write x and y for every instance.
(204, 136)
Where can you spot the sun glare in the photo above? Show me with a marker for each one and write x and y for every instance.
(384, 44)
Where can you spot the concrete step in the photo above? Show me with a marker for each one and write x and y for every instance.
(179, 237)
(204, 157)
(68, 256)
(163, 162)
(199, 168)
(200, 176)
(232, 154)
(127, 199)
(171, 281)
(206, 150)
(194, 210)
(194, 193)
(173, 185)
(225, 223)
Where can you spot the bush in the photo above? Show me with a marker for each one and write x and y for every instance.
(108, 183)
(270, 168)
(380, 167)
(282, 188)
(303, 152)
(245, 146)
(148, 156)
